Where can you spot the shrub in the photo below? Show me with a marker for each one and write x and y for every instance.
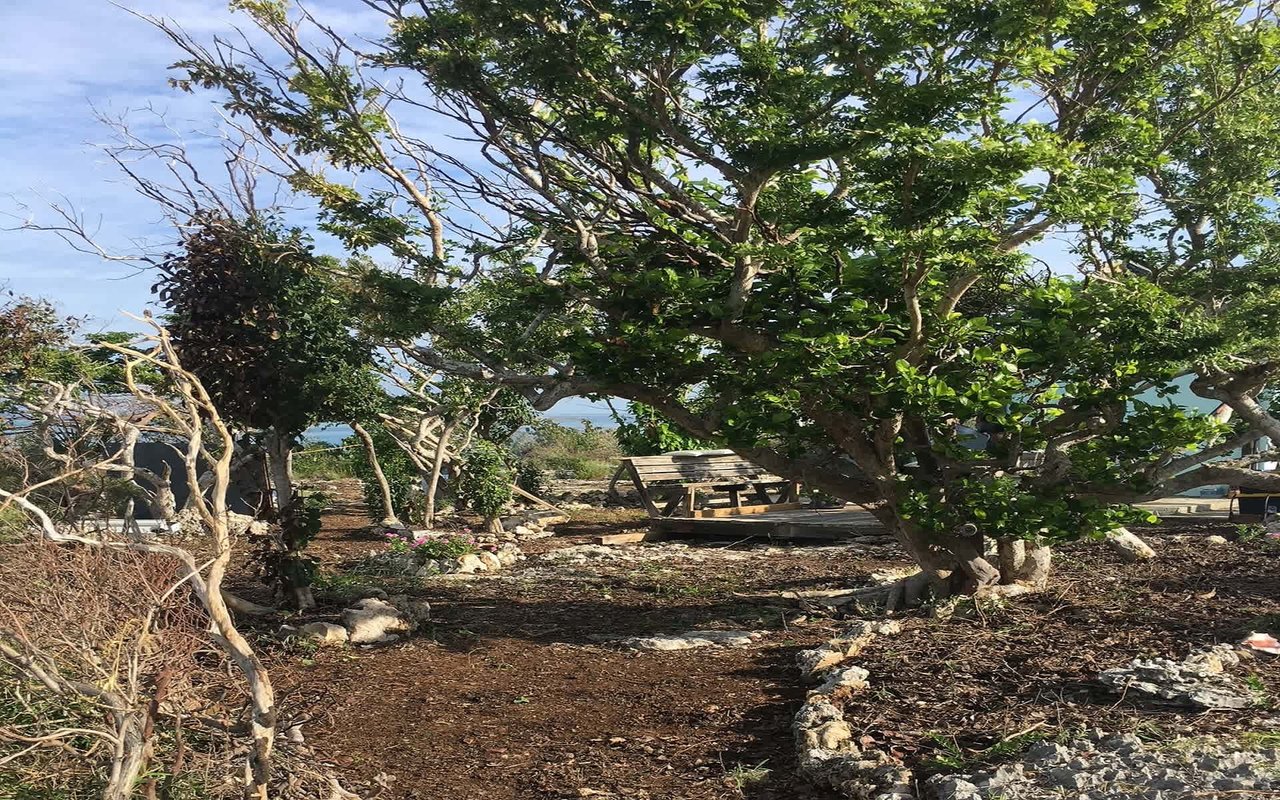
(648, 433)
(530, 478)
(590, 453)
(485, 482)
(320, 461)
(427, 546)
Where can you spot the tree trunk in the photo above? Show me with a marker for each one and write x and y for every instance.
(166, 505)
(437, 465)
(279, 451)
(1011, 554)
(953, 564)
(131, 755)
(1034, 569)
(389, 517)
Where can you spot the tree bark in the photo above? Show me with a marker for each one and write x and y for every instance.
(1036, 562)
(279, 452)
(1011, 554)
(437, 465)
(389, 517)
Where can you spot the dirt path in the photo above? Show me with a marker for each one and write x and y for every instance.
(509, 692)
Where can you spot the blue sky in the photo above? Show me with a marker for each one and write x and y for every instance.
(62, 62)
(59, 60)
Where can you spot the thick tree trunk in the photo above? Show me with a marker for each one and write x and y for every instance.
(1010, 554)
(389, 517)
(953, 564)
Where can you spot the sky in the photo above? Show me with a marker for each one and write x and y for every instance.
(63, 63)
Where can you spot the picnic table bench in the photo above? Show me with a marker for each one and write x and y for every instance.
(675, 479)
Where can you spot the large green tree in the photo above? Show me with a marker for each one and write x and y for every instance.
(847, 232)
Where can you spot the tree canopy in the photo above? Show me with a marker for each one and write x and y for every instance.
(836, 236)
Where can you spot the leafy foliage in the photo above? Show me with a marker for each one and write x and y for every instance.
(263, 324)
(645, 432)
(821, 220)
(585, 453)
(485, 480)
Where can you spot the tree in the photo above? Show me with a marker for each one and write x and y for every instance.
(828, 226)
(263, 322)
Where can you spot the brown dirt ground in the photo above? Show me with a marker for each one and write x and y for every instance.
(507, 693)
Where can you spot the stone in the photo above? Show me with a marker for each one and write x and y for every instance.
(1216, 540)
(418, 611)
(816, 712)
(1049, 753)
(845, 682)
(691, 640)
(470, 564)
(324, 632)
(508, 555)
(1120, 742)
(374, 621)
(818, 660)
(834, 735)
(490, 560)
(1198, 681)
(949, 787)
(1068, 778)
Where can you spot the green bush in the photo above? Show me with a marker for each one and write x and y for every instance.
(589, 453)
(319, 461)
(530, 478)
(485, 481)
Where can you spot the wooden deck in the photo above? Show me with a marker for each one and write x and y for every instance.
(850, 522)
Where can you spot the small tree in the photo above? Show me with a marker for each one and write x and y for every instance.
(486, 481)
(263, 323)
(189, 416)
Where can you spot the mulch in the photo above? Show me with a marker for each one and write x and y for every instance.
(508, 693)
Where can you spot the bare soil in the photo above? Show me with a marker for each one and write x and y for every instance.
(509, 691)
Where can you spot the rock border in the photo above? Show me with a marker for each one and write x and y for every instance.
(826, 752)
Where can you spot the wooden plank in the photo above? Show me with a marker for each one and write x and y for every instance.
(643, 491)
(677, 472)
(737, 511)
(822, 524)
(631, 538)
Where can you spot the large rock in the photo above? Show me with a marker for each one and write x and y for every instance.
(418, 611)
(690, 640)
(374, 621)
(1199, 681)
